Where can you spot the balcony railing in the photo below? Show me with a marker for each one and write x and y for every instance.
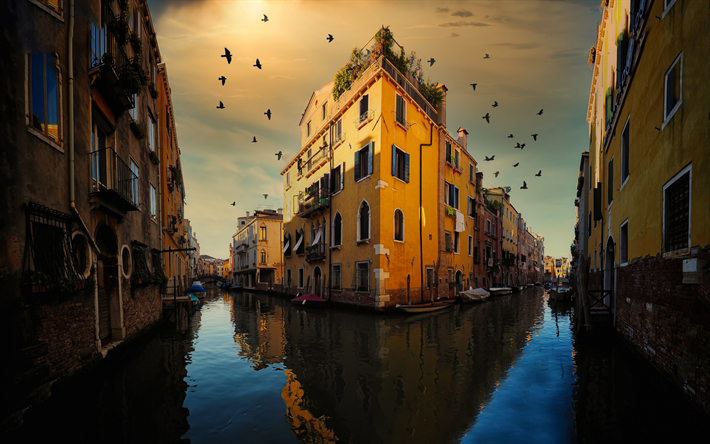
(315, 197)
(410, 88)
(315, 252)
(112, 179)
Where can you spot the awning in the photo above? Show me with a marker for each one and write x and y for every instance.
(315, 241)
(298, 244)
(288, 244)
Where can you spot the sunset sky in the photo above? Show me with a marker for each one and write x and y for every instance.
(538, 60)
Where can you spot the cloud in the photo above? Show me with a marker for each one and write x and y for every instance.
(462, 24)
(281, 77)
(453, 34)
(441, 10)
(517, 45)
(462, 13)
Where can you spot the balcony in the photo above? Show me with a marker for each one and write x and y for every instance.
(112, 70)
(315, 252)
(315, 198)
(409, 86)
(113, 182)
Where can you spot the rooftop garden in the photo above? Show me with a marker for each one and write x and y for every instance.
(385, 45)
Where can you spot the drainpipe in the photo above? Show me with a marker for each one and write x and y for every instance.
(72, 194)
(421, 208)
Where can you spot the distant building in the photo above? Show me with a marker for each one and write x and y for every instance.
(256, 248)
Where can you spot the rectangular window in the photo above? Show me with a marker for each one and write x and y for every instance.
(448, 152)
(324, 111)
(488, 226)
(152, 201)
(308, 129)
(151, 132)
(134, 183)
(457, 157)
(262, 233)
(288, 277)
(449, 242)
(451, 195)
(673, 95)
(44, 95)
(471, 207)
(335, 277)
(471, 174)
(400, 164)
(610, 182)
(53, 5)
(625, 154)
(362, 276)
(300, 278)
(336, 178)
(624, 242)
(470, 245)
(676, 212)
(288, 178)
(429, 277)
(363, 161)
(134, 110)
(400, 110)
(338, 131)
(457, 237)
(364, 108)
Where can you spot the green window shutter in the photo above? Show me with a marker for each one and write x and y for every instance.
(406, 168)
(394, 160)
(370, 151)
(357, 166)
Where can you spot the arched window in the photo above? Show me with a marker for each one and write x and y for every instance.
(337, 230)
(263, 257)
(302, 247)
(398, 225)
(363, 221)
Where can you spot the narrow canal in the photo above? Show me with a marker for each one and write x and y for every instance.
(252, 368)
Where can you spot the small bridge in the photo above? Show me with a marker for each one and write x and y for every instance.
(212, 278)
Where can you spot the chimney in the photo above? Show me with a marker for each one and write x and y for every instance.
(247, 214)
(280, 210)
(479, 181)
(462, 137)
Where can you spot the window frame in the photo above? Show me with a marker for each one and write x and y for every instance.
(135, 183)
(360, 119)
(470, 245)
(359, 221)
(43, 134)
(42, 4)
(400, 99)
(398, 155)
(324, 110)
(668, 115)
(686, 170)
(339, 278)
(667, 5)
(624, 243)
(357, 272)
(369, 157)
(308, 129)
(335, 230)
(401, 231)
(610, 182)
(457, 241)
(337, 184)
(153, 202)
(262, 233)
(151, 131)
(625, 143)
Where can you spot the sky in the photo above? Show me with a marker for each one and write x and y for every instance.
(538, 60)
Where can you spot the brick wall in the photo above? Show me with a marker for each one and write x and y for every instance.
(668, 321)
(142, 308)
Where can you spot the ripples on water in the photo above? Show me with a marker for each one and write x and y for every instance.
(254, 368)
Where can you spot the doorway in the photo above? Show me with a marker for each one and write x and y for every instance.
(317, 282)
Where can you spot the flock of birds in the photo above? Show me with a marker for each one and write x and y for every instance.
(228, 55)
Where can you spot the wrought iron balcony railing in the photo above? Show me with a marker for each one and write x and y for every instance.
(315, 252)
(113, 180)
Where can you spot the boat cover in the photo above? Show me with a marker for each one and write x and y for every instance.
(308, 297)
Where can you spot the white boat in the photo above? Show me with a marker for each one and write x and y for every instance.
(495, 291)
(474, 295)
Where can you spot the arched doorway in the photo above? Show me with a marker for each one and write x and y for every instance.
(609, 262)
(107, 282)
(459, 282)
(317, 282)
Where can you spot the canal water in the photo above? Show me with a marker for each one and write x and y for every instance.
(253, 368)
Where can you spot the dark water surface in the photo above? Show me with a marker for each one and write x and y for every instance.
(255, 369)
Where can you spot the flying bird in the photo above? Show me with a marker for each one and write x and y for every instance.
(268, 113)
(496, 173)
(534, 136)
(516, 164)
(228, 55)
(258, 65)
(474, 85)
(265, 196)
(539, 173)
(279, 154)
(431, 61)
(234, 203)
(518, 145)
(510, 137)
(494, 104)
(487, 117)
(223, 78)
(254, 140)
(525, 186)
(265, 19)
(540, 113)
(522, 146)
(329, 38)
(487, 56)
(490, 158)
(221, 105)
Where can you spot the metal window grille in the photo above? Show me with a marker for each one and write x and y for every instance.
(335, 277)
(677, 209)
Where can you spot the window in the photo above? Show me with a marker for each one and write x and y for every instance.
(610, 182)
(300, 242)
(364, 108)
(608, 105)
(338, 131)
(667, 6)
(451, 195)
(262, 257)
(337, 230)
(625, 154)
(324, 110)
(429, 277)
(624, 242)
(308, 161)
(457, 236)
(337, 175)
(308, 129)
(335, 277)
(449, 242)
(673, 95)
(398, 225)
(457, 156)
(262, 233)
(288, 277)
(49, 5)
(152, 201)
(471, 174)
(470, 245)
(488, 226)
(363, 161)
(400, 164)
(151, 132)
(401, 111)
(44, 95)
(134, 110)
(448, 152)
(363, 221)
(361, 276)
(300, 278)
(288, 178)
(134, 184)
(676, 211)
(589, 225)
(287, 245)
(471, 207)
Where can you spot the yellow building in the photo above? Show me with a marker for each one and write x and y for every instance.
(257, 249)
(509, 234)
(354, 228)
(649, 199)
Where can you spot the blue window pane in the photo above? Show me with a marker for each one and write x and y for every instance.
(37, 91)
(52, 100)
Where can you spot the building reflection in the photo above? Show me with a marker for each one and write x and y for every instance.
(355, 377)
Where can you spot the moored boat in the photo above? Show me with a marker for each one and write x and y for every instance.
(499, 289)
(308, 300)
(517, 288)
(473, 295)
(424, 308)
